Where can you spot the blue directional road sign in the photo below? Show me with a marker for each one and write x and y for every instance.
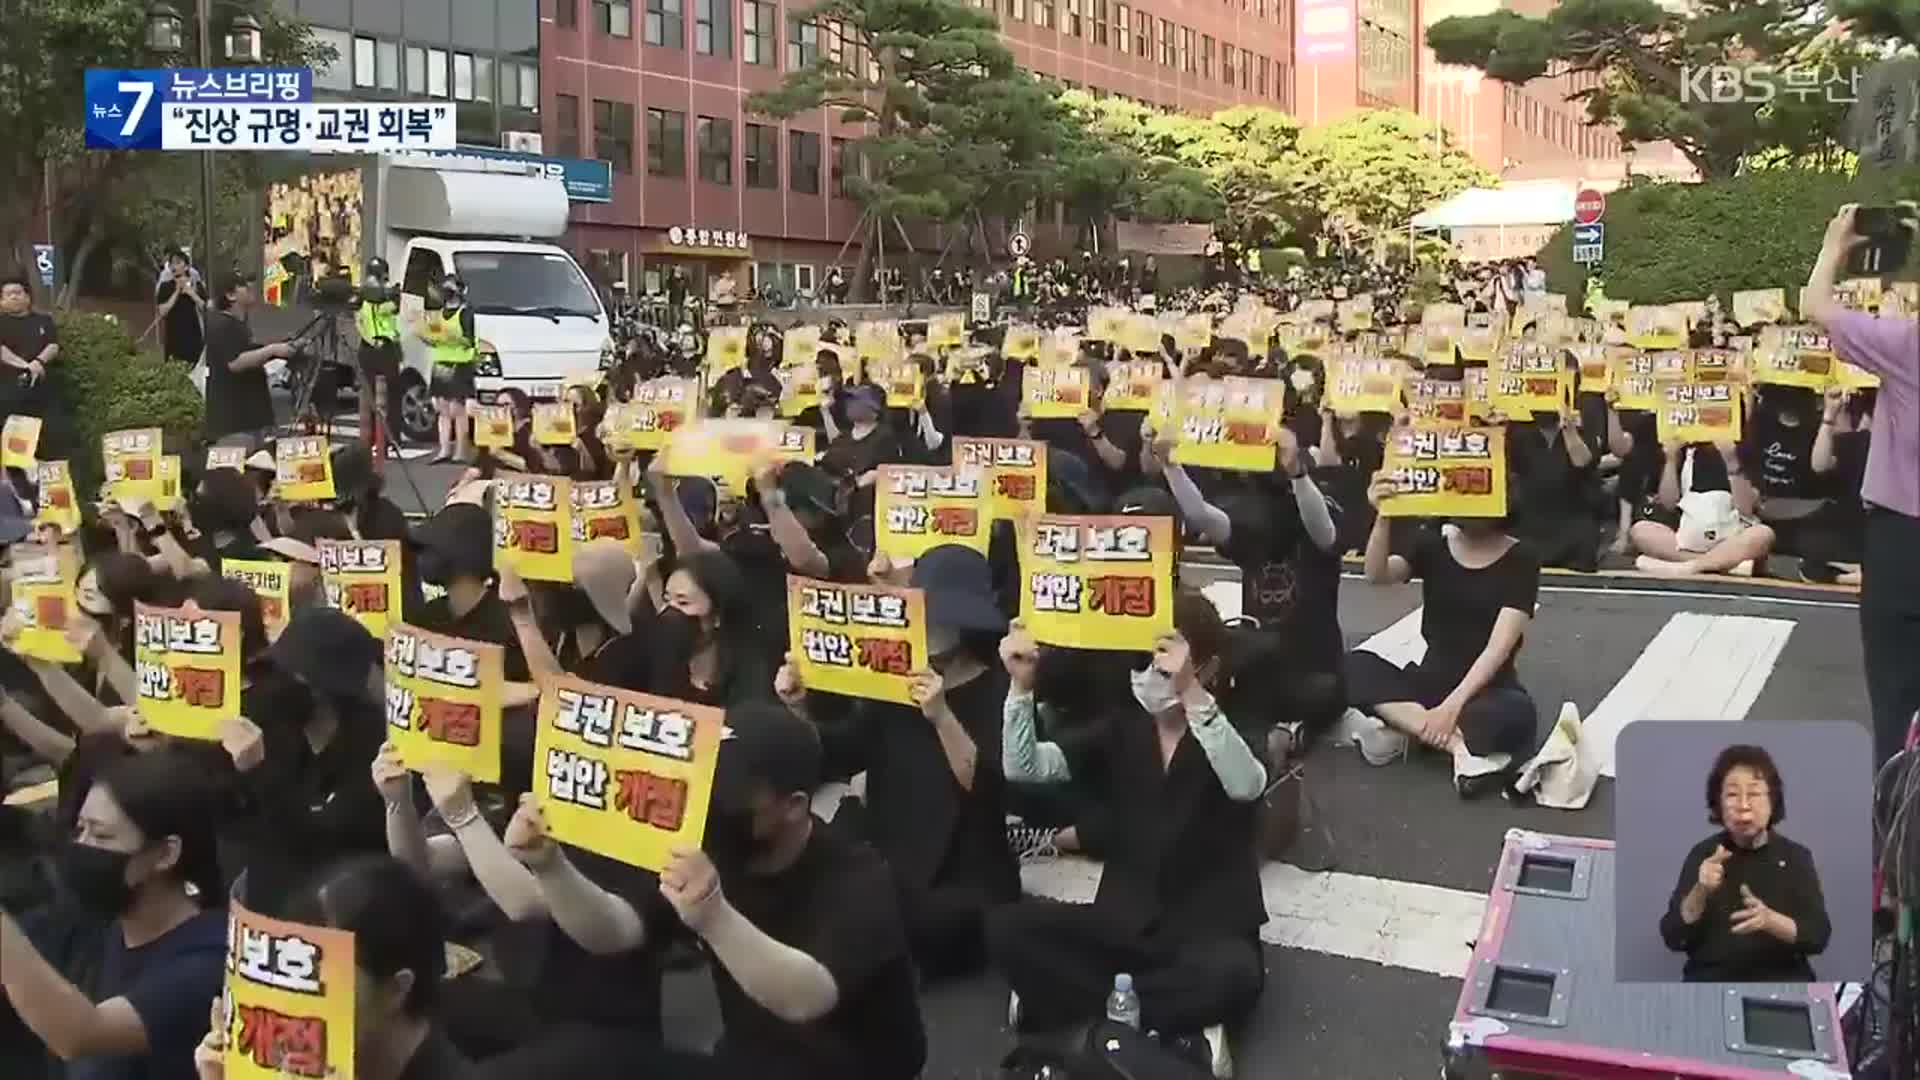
(1588, 242)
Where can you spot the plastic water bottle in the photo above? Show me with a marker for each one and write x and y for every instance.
(1123, 1005)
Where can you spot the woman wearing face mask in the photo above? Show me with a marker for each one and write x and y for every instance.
(701, 647)
(584, 627)
(1748, 905)
(1179, 901)
(114, 981)
(301, 768)
(399, 970)
(934, 806)
(1464, 698)
(864, 446)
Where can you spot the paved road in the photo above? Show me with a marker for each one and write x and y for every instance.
(1363, 964)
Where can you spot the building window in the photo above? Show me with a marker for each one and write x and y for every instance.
(803, 164)
(1018, 9)
(612, 131)
(713, 27)
(1166, 42)
(363, 73)
(436, 73)
(566, 129)
(483, 78)
(1043, 13)
(1206, 56)
(416, 70)
(1186, 50)
(756, 42)
(462, 77)
(1099, 20)
(664, 23)
(519, 85)
(803, 44)
(1226, 63)
(387, 62)
(1073, 18)
(844, 164)
(666, 142)
(339, 74)
(1263, 76)
(566, 13)
(613, 17)
(715, 139)
(762, 156)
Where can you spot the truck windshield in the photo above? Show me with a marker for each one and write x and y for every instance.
(525, 282)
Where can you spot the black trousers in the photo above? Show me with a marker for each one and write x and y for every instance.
(1501, 719)
(1890, 627)
(580, 1050)
(1061, 960)
(1275, 683)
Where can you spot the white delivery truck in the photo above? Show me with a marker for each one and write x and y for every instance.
(538, 317)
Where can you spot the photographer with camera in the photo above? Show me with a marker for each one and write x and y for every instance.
(1877, 240)
(449, 331)
(238, 401)
(377, 319)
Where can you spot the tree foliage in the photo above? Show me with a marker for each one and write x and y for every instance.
(1373, 171)
(1653, 62)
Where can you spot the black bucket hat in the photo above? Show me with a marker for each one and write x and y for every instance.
(958, 585)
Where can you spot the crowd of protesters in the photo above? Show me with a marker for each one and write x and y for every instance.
(820, 919)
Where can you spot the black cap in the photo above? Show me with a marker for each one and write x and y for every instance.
(765, 747)
(958, 584)
(1147, 502)
(810, 487)
(328, 650)
(464, 533)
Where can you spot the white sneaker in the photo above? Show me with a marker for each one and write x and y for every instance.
(1350, 725)
(1380, 744)
(1473, 775)
(1222, 1056)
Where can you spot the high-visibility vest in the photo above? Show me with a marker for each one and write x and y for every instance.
(451, 345)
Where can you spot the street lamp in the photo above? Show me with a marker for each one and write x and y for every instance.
(166, 35)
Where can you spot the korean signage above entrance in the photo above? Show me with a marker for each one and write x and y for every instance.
(688, 236)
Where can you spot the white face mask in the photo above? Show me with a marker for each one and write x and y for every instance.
(1301, 379)
(1153, 689)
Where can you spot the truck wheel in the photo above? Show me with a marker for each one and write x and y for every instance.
(410, 409)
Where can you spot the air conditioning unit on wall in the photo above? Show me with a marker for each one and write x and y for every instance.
(525, 142)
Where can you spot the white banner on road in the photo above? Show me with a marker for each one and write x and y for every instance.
(343, 126)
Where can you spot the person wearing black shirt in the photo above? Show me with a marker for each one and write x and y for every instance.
(1747, 906)
(238, 401)
(455, 549)
(28, 343)
(1796, 502)
(1178, 907)
(223, 510)
(1552, 465)
(1700, 520)
(180, 302)
(1478, 586)
(1840, 457)
(400, 959)
(934, 806)
(866, 444)
(799, 922)
(590, 617)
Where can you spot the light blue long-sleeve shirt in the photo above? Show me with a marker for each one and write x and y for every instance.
(1026, 758)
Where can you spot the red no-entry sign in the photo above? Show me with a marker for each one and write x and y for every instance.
(1588, 205)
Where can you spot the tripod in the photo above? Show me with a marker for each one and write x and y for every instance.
(318, 351)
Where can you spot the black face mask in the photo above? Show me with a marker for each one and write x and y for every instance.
(571, 608)
(730, 841)
(96, 879)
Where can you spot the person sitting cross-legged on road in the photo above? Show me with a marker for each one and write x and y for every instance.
(1179, 906)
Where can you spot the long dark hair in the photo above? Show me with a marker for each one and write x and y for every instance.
(164, 793)
(395, 918)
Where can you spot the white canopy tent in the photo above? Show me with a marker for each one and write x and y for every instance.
(1512, 204)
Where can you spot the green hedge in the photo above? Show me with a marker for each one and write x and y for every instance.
(102, 383)
(1669, 242)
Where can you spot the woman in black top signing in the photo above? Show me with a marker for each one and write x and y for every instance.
(1478, 585)
(1748, 905)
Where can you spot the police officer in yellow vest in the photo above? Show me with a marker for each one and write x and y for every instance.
(377, 319)
(449, 332)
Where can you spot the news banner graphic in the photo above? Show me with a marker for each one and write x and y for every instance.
(248, 109)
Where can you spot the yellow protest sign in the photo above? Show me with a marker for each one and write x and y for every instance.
(532, 532)
(289, 999)
(1106, 323)
(1131, 385)
(59, 506)
(622, 774)
(1437, 402)
(187, 667)
(131, 462)
(726, 349)
(1354, 315)
(1755, 307)
(1696, 411)
(1901, 299)
(1017, 468)
(1060, 348)
(946, 331)
(1657, 326)
(226, 457)
(42, 581)
(1441, 326)
(493, 426)
(864, 641)
(917, 507)
(878, 340)
(1596, 367)
(659, 408)
(1853, 294)
(19, 442)
(1854, 379)
(1531, 379)
(724, 451)
(799, 388)
(1229, 423)
(168, 499)
(1446, 472)
(1140, 334)
(1055, 393)
(1357, 385)
(270, 581)
(1481, 340)
(303, 468)
(1637, 375)
(800, 345)
(902, 380)
(443, 701)
(794, 443)
(1021, 343)
(1096, 582)
(1794, 356)
(362, 578)
(605, 510)
(968, 366)
(553, 424)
